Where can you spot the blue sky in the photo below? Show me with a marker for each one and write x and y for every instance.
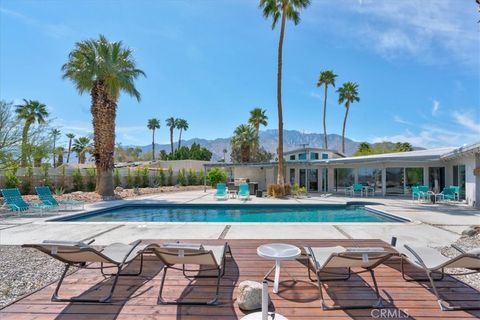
(416, 62)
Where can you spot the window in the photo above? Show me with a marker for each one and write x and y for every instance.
(371, 177)
(292, 176)
(395, 180)
(312, 179)
(459, 179)
(344, 177)
(302, 177)
(313, 155)
(292, 157)
(414, 177)
(436, 178)
(302, 156)
(324, 155)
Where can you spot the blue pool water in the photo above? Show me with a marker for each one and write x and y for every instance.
(236, 213)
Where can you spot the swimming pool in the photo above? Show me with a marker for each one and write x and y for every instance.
(234, 213)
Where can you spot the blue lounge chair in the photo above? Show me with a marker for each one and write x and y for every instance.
(356, 187)
(14, 201)
(456, 190)
(420, 195)
(243, 191)
(46, 196)
(222, 192)
(447, 194)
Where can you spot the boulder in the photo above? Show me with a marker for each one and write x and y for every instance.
(470, 231)
(118, 189)
(250, 295)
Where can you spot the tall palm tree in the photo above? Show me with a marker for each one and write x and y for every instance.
(171, 124)
(59, 152)
(224, 155)
(152, 125)
(30, 111)
(284, 9)
(347, 93)
(257, 118)
(55, 134)
(182, 124)
(104, 69)
(326, 78)
(243, 139)
(81, 146)
(70, 137)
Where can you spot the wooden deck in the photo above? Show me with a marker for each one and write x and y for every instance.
(136, 297)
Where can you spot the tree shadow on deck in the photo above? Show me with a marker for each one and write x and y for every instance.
(127, 288)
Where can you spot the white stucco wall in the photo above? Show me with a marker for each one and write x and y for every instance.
(255, 174)
(470, 180)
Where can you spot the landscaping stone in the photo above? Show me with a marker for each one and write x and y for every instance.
(250, 295)
(471, 231)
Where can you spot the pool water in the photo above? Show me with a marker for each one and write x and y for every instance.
(235, 213)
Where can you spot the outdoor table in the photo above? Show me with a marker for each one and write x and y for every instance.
(232, 194)
(366, 189)
(278, 252)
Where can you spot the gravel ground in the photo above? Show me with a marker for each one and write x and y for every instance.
(24, 270)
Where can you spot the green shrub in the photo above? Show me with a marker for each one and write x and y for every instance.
(117, 181)
(45, 178)
(192, 177)
(90, 177)
(216, 175)
(11, 179)
(137, 179)
(77, 180)
(200, 177)
(162, 177)
(182, 178)
(145, 178)
(27, 180)
(129, 182)
(170, 176)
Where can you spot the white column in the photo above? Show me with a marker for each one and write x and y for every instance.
(425, 176)
(384, 181)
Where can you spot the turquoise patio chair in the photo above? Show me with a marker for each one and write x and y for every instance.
(417, 193)
(356, 187)
(456, 190)
(15, 202)
(46, 196)
(222, 192)
(423, 189)
(243, 191)
(447, 194)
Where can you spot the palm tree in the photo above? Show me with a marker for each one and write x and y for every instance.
(281, 9)
(81, 146)
(244, 139)
(60, 151)
(326, 78)
(181, 124)
(224, 155)
(347, 93)
(257, 118)
(104, 69)
(30, 111)
(55, 134)
(70, 137)
(172, 124)
(152, 125)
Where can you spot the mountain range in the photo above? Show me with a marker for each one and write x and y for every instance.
(292, 139)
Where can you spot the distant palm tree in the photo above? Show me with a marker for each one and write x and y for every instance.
(243, 139)
(281, 9)
(81, 146)
(55, 134)
(171, 124)
(30, 111)
(326, 78)
(347, 93)
(224, 154)
(152, 125)
(70, 137)
(257, 118)
(60, 151)
(181, 124)
(104, 69)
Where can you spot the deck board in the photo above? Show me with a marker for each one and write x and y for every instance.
(136, 297)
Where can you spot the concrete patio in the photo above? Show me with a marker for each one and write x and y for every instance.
(434, 225)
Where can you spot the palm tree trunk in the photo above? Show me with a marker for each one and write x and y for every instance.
(104, 112)
(26, 127)
(347, 107)
(69, 150)
(179, 138)
(280, 179)
(256, 143)
(325, 118)
(54, 162)
(171, 138)
(153, 144)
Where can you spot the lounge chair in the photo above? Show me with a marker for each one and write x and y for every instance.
(356, 187)
(323, 259)
(80, 254)
(433, 262)
(456, 192)
(420, 195)
(172, 254)
(14, 201)
(447, 193)
(243, 191)
(222, 192)
(46, 196)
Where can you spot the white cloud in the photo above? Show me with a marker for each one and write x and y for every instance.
(467, 121)
(435, 107)
(52, 30)
(315, 95)
(398, 119)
